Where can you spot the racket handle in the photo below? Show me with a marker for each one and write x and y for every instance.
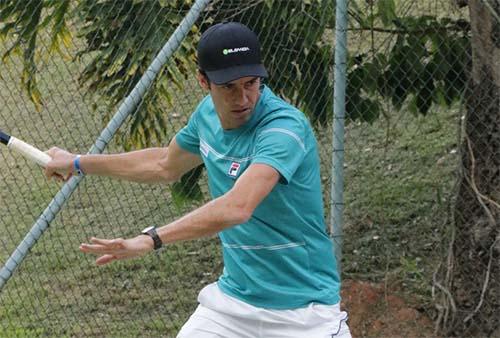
(29, 151)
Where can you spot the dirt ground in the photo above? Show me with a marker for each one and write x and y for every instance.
(375, 312)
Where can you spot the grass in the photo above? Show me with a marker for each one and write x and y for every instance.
(398, 190)
(398, 179)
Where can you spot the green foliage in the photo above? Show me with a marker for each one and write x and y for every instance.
(386, 11)
(24, 19)
(188, 189)
(123, 37)
(24, 22)
(427, 64)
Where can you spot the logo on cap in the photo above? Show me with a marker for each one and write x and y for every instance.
(235, 50)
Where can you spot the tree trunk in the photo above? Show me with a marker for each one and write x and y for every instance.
(476, 249)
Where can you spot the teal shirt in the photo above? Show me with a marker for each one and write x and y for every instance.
(282, 258)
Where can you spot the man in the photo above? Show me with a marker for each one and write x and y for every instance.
(280, 277)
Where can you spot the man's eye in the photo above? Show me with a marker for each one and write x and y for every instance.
(251, 83)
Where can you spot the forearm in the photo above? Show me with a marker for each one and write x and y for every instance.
(207, 220)
(138, 166)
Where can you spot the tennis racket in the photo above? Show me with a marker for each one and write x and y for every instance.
(25, 149)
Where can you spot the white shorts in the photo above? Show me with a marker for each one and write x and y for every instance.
(221, 316)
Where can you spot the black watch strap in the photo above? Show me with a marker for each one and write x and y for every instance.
(151, 232)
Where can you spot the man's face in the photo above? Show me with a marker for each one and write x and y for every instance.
(235, 100)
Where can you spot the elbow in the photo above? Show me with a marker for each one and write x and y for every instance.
(164, 171)
(242, 215)
(237, 209)
(166, 176)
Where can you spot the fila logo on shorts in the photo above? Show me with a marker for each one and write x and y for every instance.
(234, 169)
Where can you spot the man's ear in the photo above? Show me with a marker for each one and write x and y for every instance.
(203, 81)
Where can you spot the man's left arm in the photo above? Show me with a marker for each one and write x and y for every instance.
(234, 207)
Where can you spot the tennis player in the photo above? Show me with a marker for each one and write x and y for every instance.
(280, 277)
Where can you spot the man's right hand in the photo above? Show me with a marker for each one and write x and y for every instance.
(61, 167)
(111, 250)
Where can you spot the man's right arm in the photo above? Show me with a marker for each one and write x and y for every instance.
(146, 166)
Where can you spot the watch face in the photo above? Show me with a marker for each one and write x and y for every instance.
(148, 229)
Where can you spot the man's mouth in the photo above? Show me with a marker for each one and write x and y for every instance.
(240, 111)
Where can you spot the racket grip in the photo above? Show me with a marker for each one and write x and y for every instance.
(29, 151)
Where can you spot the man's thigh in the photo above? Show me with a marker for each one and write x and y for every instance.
(206, 323)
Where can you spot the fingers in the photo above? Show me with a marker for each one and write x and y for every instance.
(61, 165)
(116, 243)
(103, 246)
(52, 151)
(96, 240)
(105, 259)
(109, 249)
(49, 171)
(116, 249)
(55, 175)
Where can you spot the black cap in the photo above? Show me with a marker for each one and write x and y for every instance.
(229, 51)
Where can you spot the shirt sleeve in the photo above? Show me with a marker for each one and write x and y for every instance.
(188, 138)
(281, 145)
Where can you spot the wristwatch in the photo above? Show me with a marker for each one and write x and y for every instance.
(151, 232)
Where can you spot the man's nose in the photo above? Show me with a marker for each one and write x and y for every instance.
(241, 96)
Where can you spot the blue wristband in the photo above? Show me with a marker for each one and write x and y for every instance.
(76, 164)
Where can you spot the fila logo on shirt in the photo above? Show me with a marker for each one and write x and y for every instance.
(234, 169)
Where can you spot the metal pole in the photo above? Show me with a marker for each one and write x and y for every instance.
(126, 108)
(340, 79)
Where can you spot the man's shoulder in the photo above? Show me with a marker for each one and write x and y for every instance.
(205, 103)
(280, 113)
(279, 107)
(274, 102)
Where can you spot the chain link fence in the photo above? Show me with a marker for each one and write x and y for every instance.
(423, 156)
(421, 153)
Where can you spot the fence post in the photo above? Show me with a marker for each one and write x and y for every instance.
(340, 79)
